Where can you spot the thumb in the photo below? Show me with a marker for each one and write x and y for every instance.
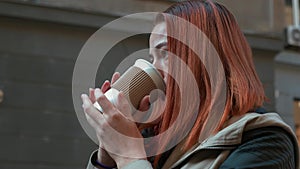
(144, 104)
(141, 114)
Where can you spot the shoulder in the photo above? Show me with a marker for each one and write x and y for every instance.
(267, 147)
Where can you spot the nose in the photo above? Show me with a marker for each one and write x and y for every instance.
(159, 68)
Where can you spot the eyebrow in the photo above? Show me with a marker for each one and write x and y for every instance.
(160, 45)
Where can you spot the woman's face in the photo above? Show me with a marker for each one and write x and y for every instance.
(158, 49)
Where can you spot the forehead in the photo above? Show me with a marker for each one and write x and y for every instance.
(158, 35)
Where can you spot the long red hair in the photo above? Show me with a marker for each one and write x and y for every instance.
(244, 90)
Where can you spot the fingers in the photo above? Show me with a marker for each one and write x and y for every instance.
(105, 86)
(145, 103)
(91, 121)
(90, 110)
(105, 104)
(142, 114)
(123, 104)
(115, 77)
(92, 95)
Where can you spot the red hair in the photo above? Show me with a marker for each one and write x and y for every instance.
(244, 91)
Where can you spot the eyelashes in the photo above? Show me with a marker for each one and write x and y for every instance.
(158, 54)
(163, 53)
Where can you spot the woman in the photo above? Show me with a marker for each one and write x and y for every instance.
(237, 135)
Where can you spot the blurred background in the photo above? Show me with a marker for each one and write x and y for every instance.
(40, 41)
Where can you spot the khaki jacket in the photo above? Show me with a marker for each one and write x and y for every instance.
(201, 155)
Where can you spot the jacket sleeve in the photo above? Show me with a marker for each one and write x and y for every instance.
(268, 148)
(91, 161)
(138, 164)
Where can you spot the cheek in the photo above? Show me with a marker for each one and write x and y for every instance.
(165, 70)
(165, 65)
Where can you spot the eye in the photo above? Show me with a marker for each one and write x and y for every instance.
(164, 53)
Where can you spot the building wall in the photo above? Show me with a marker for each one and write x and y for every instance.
(264, 64)
(287, 89)
(38, 49)
(38, 126)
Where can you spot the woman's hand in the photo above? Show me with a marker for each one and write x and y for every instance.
(115, 132)
(103, 156)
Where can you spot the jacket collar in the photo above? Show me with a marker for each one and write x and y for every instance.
(231, 135)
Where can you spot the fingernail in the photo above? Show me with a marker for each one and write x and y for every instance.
(83, 99)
